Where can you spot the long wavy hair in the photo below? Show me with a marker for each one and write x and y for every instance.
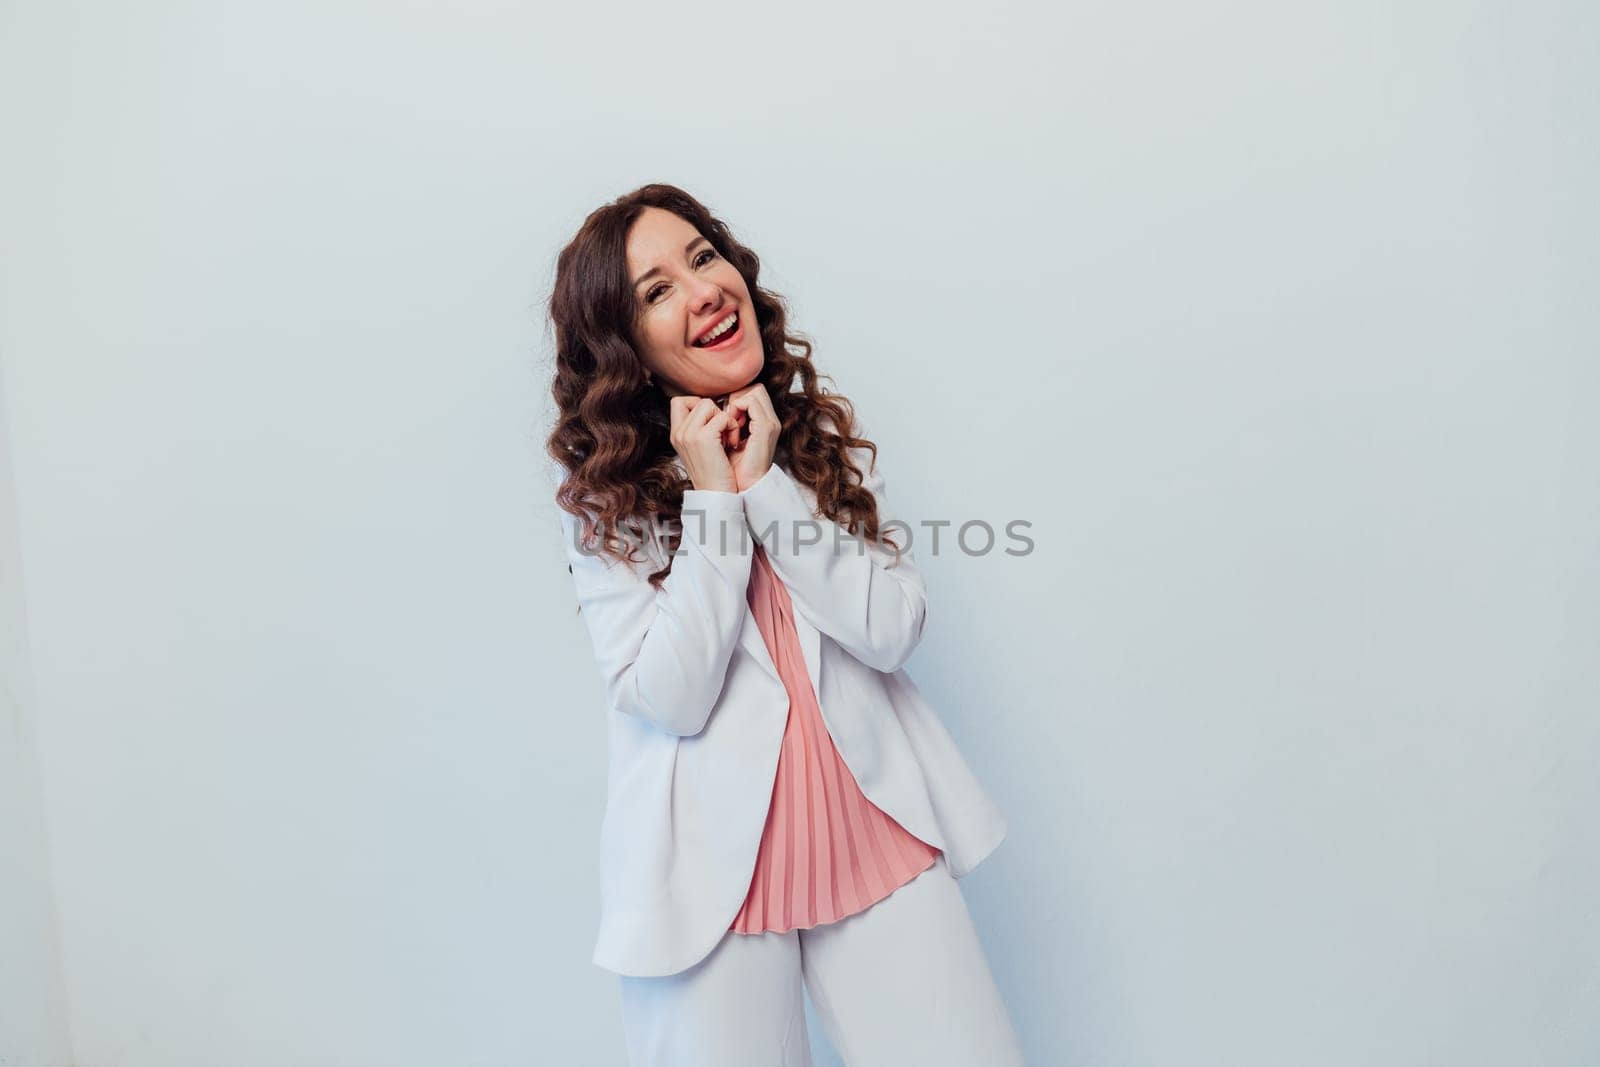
(613, 426)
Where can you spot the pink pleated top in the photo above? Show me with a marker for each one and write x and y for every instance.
(826, 851)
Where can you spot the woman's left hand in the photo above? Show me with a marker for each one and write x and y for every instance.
(752, 456)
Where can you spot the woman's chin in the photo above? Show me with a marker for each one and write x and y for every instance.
(751, 364)
(739, 371)
(737, 375)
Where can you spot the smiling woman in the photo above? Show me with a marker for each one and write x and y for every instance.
(688, 294)
(645, 277)
(783, 807)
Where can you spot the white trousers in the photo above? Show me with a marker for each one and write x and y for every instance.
(902, 984)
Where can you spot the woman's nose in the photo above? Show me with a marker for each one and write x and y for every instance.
(705, 295)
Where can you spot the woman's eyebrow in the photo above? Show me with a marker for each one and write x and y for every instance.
(653, 271)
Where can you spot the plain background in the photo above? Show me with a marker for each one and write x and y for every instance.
(1276, 321)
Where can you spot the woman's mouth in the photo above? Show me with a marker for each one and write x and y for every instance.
(729, 335)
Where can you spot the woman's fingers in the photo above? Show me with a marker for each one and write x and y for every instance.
(734, 437)
(698, 428)
(754, 406)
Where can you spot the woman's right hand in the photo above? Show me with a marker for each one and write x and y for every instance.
(699, 429)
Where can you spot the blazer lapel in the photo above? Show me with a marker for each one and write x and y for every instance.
(810, 645)
(750, 632)
(810, 648)
(810, 636)
(750, 637)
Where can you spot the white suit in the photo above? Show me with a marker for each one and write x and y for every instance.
(697, 710)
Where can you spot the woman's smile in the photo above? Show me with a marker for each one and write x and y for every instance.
(732, 327)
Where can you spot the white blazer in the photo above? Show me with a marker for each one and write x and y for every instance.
(697, 711)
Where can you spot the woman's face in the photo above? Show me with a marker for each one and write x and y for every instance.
(683, 291)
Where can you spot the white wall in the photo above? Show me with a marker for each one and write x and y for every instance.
(1276, 321)
(33, 1021)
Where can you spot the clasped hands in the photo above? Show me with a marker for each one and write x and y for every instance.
(725, 448)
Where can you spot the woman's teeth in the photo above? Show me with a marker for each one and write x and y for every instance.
(719, 331)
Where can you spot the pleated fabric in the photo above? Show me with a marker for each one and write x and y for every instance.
(826, 851)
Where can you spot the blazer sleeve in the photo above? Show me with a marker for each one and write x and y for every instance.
(848, 588)
(664, 654)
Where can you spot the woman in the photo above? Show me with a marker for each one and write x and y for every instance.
(783, 806)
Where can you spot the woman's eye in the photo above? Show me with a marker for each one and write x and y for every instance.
(706, 256)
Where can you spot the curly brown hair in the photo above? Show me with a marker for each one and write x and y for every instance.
(613, 425)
